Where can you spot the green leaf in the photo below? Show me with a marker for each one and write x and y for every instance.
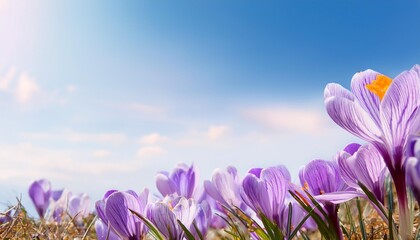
(153, 229)
(187, 232)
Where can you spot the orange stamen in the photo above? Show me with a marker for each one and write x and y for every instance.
(379, 86)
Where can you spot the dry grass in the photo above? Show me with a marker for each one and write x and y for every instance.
(24, 227)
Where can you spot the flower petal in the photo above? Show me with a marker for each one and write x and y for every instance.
(351, 116)
(368, 100)
(400, 113)
(117, 212)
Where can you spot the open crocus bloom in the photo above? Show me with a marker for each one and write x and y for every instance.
(384, 112)
(379, 110)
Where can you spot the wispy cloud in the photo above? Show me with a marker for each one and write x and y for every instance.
(150, 151)
(115, 138)
(217, 132)
(153, 138)
(144, 108)
(26, 88)
(101, 153)
(71, 88)
(26, 161)
(290, 119)
(77, 137)
(7, 78)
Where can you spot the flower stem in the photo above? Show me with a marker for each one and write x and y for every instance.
(406, 223)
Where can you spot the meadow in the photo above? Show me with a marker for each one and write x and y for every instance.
(368, 191)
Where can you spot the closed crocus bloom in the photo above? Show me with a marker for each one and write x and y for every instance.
(121, 219)
(363, 164)
(182, 181)
(265, 193)
(319, 177)
(413, 167)
(298, 213)
(225, 187)
(103, 232)
(202, 219)
(79, 206)
(384, 112)
(100, 206)
(59, 204)
(164, 214)
(40, 193)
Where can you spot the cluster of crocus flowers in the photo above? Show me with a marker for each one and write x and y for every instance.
(54, 205)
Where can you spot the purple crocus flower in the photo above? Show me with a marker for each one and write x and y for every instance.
(103, 232)
(164, 215)
(79, 206)
(265, 192)
(59, 203)
(40, 193)
(383, 112)
(363, 164)
(413, 167)
(202, 220)
(121, 219)
(225, 187)
(319, 177)
(298, 213)
(182, 181)
(5, 217)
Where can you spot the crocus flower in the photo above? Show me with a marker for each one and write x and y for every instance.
(5, 217)
(319, 177)
(413, 167)
(79, 206)
(363, 164)
(265, 192)
(103, 232)
(164, 215)
(202, 220)
(59, 203)
(182, 181)
(40, 193)
(298, 213)
(383, 112)
(121, 219)
(225, 187)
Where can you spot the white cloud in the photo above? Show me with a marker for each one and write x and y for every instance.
(26, 88)
(150, 151)
(115, 138)
(290, 119)
(217, 132)
(152, 138)
(25, 161)
(7, 79)
(78, 137)
(101, 153)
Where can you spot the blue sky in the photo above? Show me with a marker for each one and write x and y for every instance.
(103, 94)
